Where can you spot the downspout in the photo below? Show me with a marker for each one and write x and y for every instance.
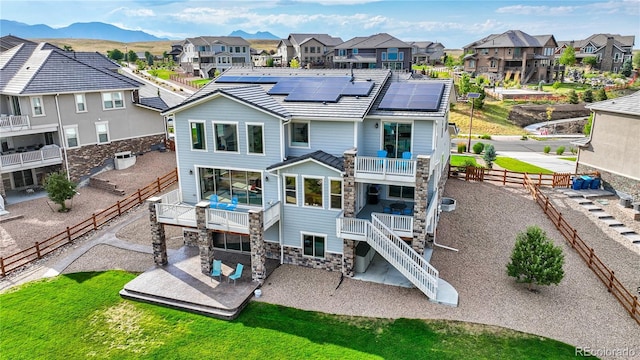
(281, 216)
(61, 139)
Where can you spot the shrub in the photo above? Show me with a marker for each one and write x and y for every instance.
(560, 150)
(485, 137)
(572, 97)
(467, 163)
(462, 147)
(601, 95)
(478, 147)
(489, 155)
(573, 150)
(60, 189)
(587, 126)
(524, 137)
(587, 96)
(556, 85)
(547, 149)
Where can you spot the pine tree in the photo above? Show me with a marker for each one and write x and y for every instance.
(572, 97)
(601, 95)
(489, 155)
(60, 189)
(587, 96)
(535, 260)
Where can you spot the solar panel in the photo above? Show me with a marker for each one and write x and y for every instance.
(413, 96)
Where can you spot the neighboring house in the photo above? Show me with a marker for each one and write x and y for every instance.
(324, 167)
(310, 50)
(260, 58)
(426, 52)
(379, 51)
(204, 55)
(176, 50)
(612, 146)
(512, 55)
(71, 111)
(610, 50)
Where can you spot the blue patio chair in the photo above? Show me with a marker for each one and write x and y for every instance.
(386, 210)
(396, 212)
(213, 201)
(406, 156)
(382, 153)
(407, 211)
(216, 269)
(236, 274)
(233, 205)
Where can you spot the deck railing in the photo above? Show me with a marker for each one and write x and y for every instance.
(397, 223)
(176, 214)
(271, 215)
(225, 220)
(385, 168)
(14, 122)
(43, 156)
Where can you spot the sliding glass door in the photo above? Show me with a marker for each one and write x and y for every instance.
(396, 138)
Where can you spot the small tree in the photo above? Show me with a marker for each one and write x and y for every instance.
(535, 260)
(601, 95)
(115, 54)
(572, 97)
(590, 61)
(60, 189)
(568, 57)
(587, 96)
(587, 127)
(489, 155)
(627, 68)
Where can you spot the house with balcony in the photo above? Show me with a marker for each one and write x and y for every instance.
(512, 56)
(426, 52)
(317, 168)
(610, 50)
(379, 51)
(205, 55)
(311, 50)
(71, 111)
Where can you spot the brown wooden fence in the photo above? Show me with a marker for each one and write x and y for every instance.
(40, 249)
(506, 177)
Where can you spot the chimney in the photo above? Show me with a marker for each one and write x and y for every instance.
(136, 96)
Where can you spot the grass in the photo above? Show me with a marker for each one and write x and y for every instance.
(571, 158)
(458, 160)
(81, 316)
(565, 87)
(491, 119)
(162, 73)
(520, 166)
(201, 81)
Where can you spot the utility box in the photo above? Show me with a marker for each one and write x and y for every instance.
(124, 160)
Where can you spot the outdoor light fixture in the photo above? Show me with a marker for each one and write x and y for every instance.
(190, 172)
(376, 125)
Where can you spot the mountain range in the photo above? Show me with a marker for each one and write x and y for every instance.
(97, 30)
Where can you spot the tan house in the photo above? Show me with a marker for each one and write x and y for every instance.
(610, 50)
(512, 55)
(426, 52)
(612, 147)
(311, 50)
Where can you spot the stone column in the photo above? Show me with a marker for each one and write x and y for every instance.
(205, 242)
(421, 198)
(258, 249)
(349, 207)
(158, 237)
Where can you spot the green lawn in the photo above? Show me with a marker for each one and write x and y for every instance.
(81, 316)
(201, 81)
(520, 166)
(458, 160)
(162, 73)
(572, 158)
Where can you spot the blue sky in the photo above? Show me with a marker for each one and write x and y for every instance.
(453, 23)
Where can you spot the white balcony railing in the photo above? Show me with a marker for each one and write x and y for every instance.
(43, 157)
(224, 220)
(400, 224)
(176, 214)
(14, 122)
(172, 197)
(271, 215)
(375, 168)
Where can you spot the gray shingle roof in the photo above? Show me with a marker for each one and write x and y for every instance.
(9, 41)
(154, 103)
(325, 39)
(629, 105)
(319, 156)
(377, 41)
(511, 38)
(228, 40)
(600, 40)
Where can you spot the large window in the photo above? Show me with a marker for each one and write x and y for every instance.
(230, 241)
(102, 132)
(300, 134)
(313, 194)
(246, 186)
(37, 107)
(255, 139)
(112, 100)
(71, 136)
(336, 194)
(313, 245)
(397, 139)
(291, 190)
(226, 136)
(401, 192)
(81, 103)
(198, 135)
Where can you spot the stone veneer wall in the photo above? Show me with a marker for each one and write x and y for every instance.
(3, 193)
(158, 236)
(614, 182)
(85, 158)
(272, 250)
(421, 196)
(349, 206)
(190, 236)
(331, 262)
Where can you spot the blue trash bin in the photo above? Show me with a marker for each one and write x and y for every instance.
(586, 181)
(577, 183)
(595, 183)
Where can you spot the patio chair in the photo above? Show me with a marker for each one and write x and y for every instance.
(236, 274)
(386, 210)
(233, 205)
(213, 201)
(407, 211)
(406, 156)
(216, 269)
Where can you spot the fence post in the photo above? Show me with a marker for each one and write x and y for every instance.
(504, 177)
(95, 225)
(633, 307)
(546, 204)
(69, 235)
(573, 238)
(158, 182)
(590, 257)
(611, 277)
(559, 220)
(2, 268)
(37, 250)
(119, 210)
(139, 197)
(540, 179)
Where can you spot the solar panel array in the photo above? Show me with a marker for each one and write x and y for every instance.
(306, 88)
(413, 96)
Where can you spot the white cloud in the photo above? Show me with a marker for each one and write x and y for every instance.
(542, 10)
(132, 12)
(335, 2)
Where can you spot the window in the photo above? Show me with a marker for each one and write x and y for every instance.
(472, 64)
(493, 63)
(341, 52)
(313, 192)
(484, 51)
(517, 51)
(237, 49)
(71, 136)
(222, 48)
(81, 104)
(48, 138)
(226, 136)
(392, 54)
(291, 190)
(198, 135)
(495, 51)
(300, 134)
(37, 107)
(589, 49)
(401, 56)
(244, 49)
(401, 192)
(255, 139)
(306, 49)
(231, 241)
(616, 57)
(336, 194)
(548, 51)
(313, 245)
(396, 138)
(383, 56)
(355, 51)
(102, 132)
(244, 185)
(112, 100)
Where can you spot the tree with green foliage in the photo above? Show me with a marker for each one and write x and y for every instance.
(627, 68)
(535, 259)
(601, 95)
(587, 127)
(269, 62)
(587, 96)
(572, 97)
(568, 57)
(590, 61)
(294, 63)
(60, 189)
(132, 56)
(478, 147)
(636, 59)
(149, 58)
(489, 155)
(115, 55)
(67, 48)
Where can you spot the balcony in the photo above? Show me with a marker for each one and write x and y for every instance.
(31, 159)
(385, 170)
(14, 122)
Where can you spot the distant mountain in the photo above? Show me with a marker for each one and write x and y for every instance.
(262, 35)
(92, 30)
